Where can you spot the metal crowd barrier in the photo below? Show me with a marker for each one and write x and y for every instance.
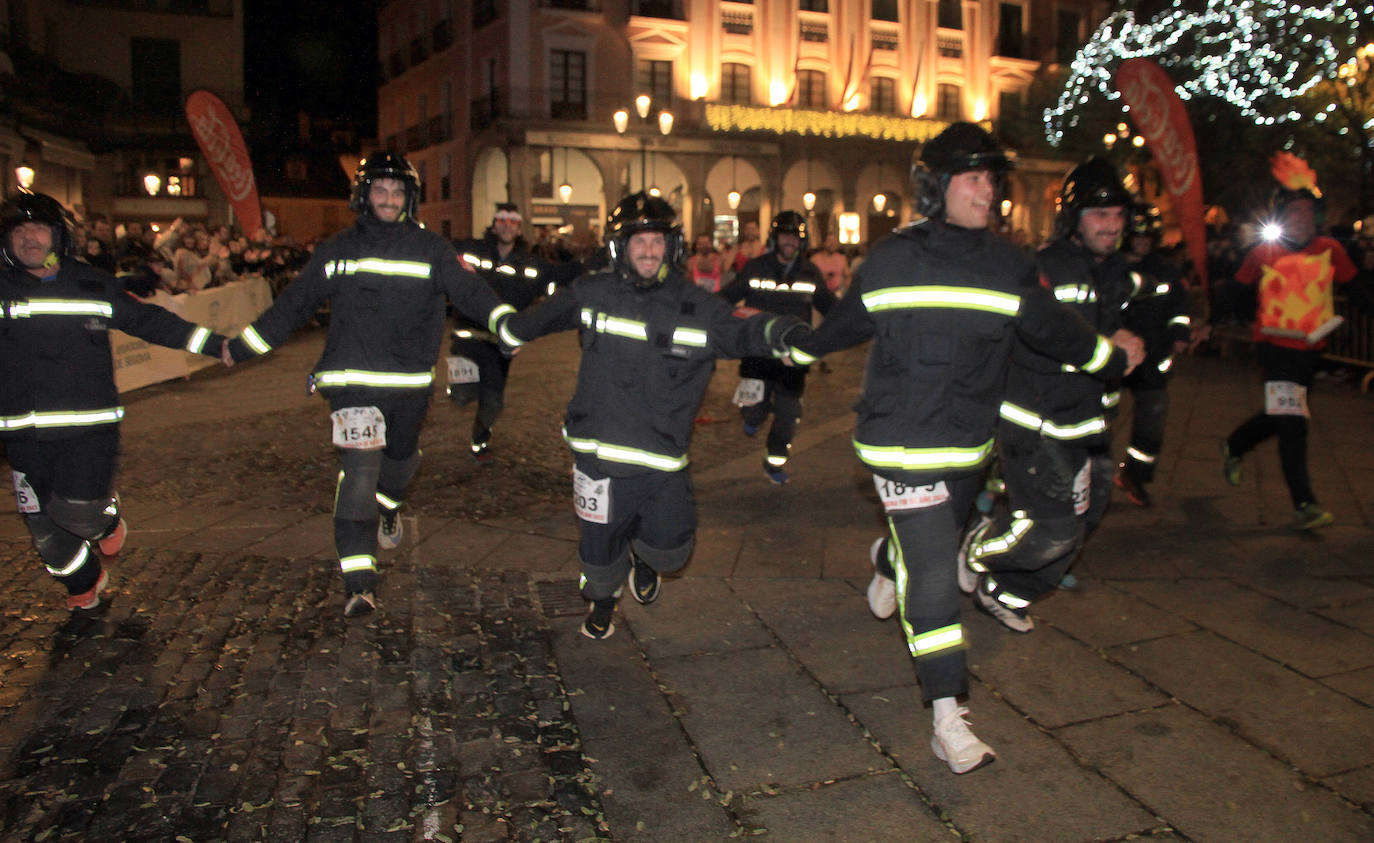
(1353, 342)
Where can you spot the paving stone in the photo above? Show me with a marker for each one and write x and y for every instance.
(758, 720)
(869, 808)
(1257, 697)
(694, 615)
(1226, 790)
(1101, 613)
(609, 688)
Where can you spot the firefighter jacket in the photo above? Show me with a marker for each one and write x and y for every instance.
(518, 279)
(1159, 316)
(766, 283)
(1043, 392)
(56, 370)
(386, 284)
(647, 357)
(943, 305)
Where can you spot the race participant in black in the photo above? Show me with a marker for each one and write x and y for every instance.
(388, 280)
(650, 338)
(783, 281)
(1159, 316)
(943, 300)
(1053, 437)
(59, 407)
(477, 369)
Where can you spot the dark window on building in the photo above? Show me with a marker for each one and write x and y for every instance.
(656, 9)
(814, 5)
(883, 96)
(885, 10)
(734, 83)
(568, 77)
(1010, 39)
(1067, 37)
(948, 104)
(951, 14)
(656, 80)
(156, 73)
(811, 89)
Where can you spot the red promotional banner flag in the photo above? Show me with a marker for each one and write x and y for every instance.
(1160, 116)
(222, 144)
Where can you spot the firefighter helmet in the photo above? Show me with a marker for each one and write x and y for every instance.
(385, 165)
(788, 222)
(642, 212)
(1093, 184)
(960, 147)
(39, 208)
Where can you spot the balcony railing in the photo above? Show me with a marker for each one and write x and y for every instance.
(670, 9)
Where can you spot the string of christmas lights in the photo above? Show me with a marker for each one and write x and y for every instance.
(1253, 54)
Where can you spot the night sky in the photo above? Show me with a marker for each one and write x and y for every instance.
(320, 55)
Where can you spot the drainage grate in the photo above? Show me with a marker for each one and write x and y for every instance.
(559, 598)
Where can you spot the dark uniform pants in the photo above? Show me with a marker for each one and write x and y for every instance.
(919, 552)
(72, 480)
(369, 479)
(782, 397)
(1296, 366)
(493, 369)
(1149, 411)
(652, 514)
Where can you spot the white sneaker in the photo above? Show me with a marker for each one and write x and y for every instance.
(968, 578)
(1015, 620)
(389, 530)
(882, 592)
(955, 744)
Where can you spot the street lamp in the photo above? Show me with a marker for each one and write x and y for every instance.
(809, 201)
(621, 120)
(152, 183)
(565, 189)
(24, 177)
(879, 202)
(733, 196)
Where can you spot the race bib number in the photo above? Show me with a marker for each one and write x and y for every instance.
(1285, 398)
(897, 497)
(591, 498)
(462, 370)
(1082, 488)
(359, 428)
(24, 494)
(749, 392)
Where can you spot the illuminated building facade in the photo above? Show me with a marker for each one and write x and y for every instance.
(774, 104)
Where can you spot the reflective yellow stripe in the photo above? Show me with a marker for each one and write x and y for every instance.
(506, 269)
(1075, 293)
(944, 638)
(801, 358)
(254, 340)
(967, 298)
(1165, 365)
(68, 418)
(196, 343)
(60, 307)
(73, 566)
(770, 284)
(689, 336)
(920, 459)
(1111, 399)
(1031, 421)
(356, 377)
(390, 503)
(348, 564)
(1005, 598)
(621, 454)
(1181, 320)
(994, 545)
(1139, 455)
(377, 266)
(1101, 355)
(498, 316)
(531, 272)
(606, 324)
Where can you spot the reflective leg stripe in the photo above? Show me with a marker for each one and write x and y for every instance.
(349, 564)
(73, 566)
(479, 447)
(944, 638)
(387, 502)
(775, 461)
(1020, 525)
(1139, 455)
(1005, 598)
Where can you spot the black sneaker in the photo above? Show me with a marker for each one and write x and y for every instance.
(598, 624)
(1134, 489)
(643, 582)
(359, 603)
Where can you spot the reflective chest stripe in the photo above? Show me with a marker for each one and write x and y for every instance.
(922, 459)
(1075, 293)
(931, 297)
(1022, 417)
(772, 286)
(604, 323)
(62, 418)
(383, 380)
(624, 454)
(694, 337)
(58, 307)
(377, 266)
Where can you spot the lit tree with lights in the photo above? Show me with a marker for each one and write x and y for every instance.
(1272, 64)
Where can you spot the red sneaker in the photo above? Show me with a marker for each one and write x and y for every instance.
(87, 600)
(110, 545)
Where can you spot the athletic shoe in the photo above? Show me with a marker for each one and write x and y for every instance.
(777, 476)
(87, 600)
(109, 545)
(599, 624)
(968, 578)
(750, 430)
(643, 582)
(955, 744)
(1309, 516)
(483, 455)
(1016, 620)
(1230, 465)
(1134, 489)
(389, 529)
(882, 592)
(1068, 582)
(359, 603)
